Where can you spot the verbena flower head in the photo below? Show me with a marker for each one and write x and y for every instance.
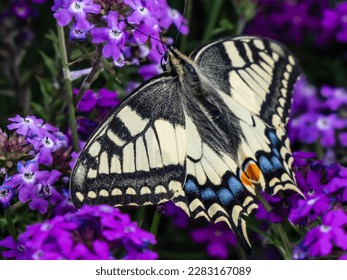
(94, 232)
(77, 9)
(114, 35)
(320, 240)
(288, 21)
(29, 126)
(120, 26)
(334, 22)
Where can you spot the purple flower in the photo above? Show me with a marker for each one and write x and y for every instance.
(27, 178)
(28, 126)
(6, 194)
(305, 97)
(335, 97)
(103, 99)
(174, 17)
(219, 239)
(150, 70)
(16, 250)
(142, 12)
(321, 239)
(334, 22)
(77, 9)
(45, 192)
(310, 127)
(94, 232)
(309, 209)
(280, 208)
(114, 35)
(21, 9)
(288, 21)
(77, 33)
(180, 218)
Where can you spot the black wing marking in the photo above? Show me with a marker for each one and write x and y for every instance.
(259, 74)
(137, 154)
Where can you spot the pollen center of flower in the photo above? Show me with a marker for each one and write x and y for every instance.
(48, 142)
(4, 193)
(77, 7)
(143, 10)
(28, 175)
(324, 228)
(173, 14)
(27, 121)
(323, 123)
(116, 33)
(340, 93)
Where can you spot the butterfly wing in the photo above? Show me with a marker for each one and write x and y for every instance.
(215, 188)
(259, 74)
(248, 96)
(255, 78)
(137, 154)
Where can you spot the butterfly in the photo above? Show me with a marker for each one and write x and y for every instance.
(202, 135)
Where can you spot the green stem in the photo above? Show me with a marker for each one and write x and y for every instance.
(10, 225)
(217, 4)
(287, 254)
(140, 216)
(68, 87)
(188, 16)
(155, 225)
(90, 77)
(278, 229)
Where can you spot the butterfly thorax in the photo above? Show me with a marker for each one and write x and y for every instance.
(184, 68)
(212, 117)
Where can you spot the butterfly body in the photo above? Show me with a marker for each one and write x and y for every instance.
(201, 134)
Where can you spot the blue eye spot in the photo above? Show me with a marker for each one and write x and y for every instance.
(225, 196)
(208, 194)
(191, 187)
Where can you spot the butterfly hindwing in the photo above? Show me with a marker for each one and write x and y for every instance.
(137, 155)
(215, 188)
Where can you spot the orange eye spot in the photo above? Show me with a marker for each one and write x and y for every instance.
(245, 181)
(253, 172)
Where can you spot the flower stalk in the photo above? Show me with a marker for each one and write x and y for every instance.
(68, 88)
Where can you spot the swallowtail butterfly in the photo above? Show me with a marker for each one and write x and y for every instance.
(201, 134)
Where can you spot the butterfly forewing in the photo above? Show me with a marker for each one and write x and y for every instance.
(258, 74)
(137, 155)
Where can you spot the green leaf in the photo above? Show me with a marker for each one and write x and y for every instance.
(49, 63)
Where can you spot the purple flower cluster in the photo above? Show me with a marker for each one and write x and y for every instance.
(94, 232)
(24, 9)
(34, 180)
(334, 22)
(315, 116)
(297, 21)
(320, 215)
(120, 25)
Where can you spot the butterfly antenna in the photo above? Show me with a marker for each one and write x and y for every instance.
(183, 17)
